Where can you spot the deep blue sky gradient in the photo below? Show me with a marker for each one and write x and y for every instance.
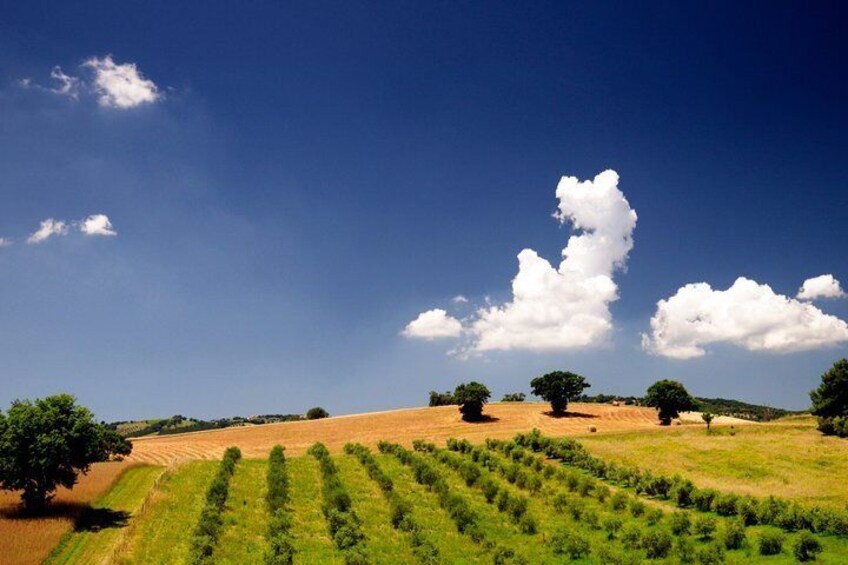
(319, 173)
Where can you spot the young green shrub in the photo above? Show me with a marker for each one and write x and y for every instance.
(703, 498)
(631, 536)
(490, 489)
(682, 493)
(618, 501)
(654, 516)
(806, 547)
(657, 543)
(612, 525)
(680, 523)
(527, 524)
(726, 504)
(637, 507)
(602, 492)
(710, 554)
(704, 527)
(734, 534)
(560, 502)
(569, 543)
(770, 543)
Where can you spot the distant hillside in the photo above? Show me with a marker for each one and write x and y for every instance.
(719, 406)
(179, 424)
(739, 409)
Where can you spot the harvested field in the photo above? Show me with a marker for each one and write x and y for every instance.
(25, 539)
(402, 426)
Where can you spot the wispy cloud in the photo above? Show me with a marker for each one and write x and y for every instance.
(48, 229)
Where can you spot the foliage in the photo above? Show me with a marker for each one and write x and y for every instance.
(771, 543)
(657, 543)
(281, 549)
(208, 528)
(707, 417)
(569, 543)
(471, 397)
(558, 388)
(442, 398)
(734, 535)
(47, 443)
(806, 547)
(739, 409)
(514, 397)
(316, 413)
(830, 400)
(669, 398)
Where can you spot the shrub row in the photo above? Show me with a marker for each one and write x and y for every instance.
(400, 510)
(515, 506)
(281, 549)
(765, 511)
(209, 525)
(342, 521)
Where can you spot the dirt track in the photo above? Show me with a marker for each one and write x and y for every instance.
(436, 424)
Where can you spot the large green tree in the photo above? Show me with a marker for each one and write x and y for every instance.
(46, 444)
(558, 388)
(830, 400)
(670, 398)
(471, 397)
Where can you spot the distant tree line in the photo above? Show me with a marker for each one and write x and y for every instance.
(179, 424)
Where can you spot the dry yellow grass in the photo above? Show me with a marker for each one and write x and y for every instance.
(402, 426)
(28, 540)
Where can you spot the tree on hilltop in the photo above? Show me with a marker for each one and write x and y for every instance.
(670, 398)
(316, 413)
(471, 397)
(830, 400)
(558, 388)
(46, 444)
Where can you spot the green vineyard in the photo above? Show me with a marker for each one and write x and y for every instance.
(530, 500)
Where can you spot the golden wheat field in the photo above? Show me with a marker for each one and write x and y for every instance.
(25, 539)
(402, 426)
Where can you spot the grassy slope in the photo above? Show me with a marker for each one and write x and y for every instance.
(789, 459)
(246, 518)
(384, 544)
(312, 540)
(127, 495)
(163, 532)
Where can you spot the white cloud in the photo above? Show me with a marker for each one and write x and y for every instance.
(5, 242)
(68, 85)
(433, 324)
(747, 314)
(48, 228)
(121, 86)
(565, 307)
(459, 299)
(97, 224)
(822, 286)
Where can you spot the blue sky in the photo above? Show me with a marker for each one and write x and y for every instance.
(299, 181)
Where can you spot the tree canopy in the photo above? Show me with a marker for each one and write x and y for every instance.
(830, 400)
(669, 398)
(46, 444)
(471, 397)
(316, 413)
(558, 388)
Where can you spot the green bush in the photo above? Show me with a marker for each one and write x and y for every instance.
(657, 543)
(710, 554)
(569, 543)
(631, 536)
(618, 501)
(637, 507)
(612, 525)
(771, 543)
(734, 534)
(806, 547)
(679, 523)
(704, 527)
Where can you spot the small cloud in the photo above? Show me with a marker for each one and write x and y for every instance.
(459, 299)
(5, 242)
(25, 82)
(68, 85)
(48, 228)
(433, 324)
(121, 85)
(822, 286)
(97, 224)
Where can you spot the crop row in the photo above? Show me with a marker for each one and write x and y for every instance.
(342, 521)
(208, 527)
(466, 520)
(280, 547)
(773, 511)
(400, 510)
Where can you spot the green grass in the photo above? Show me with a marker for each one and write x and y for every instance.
(95, 536)
(384, 544)
(790, 459)
(162, 533)
(311, 538)
(246, 517)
